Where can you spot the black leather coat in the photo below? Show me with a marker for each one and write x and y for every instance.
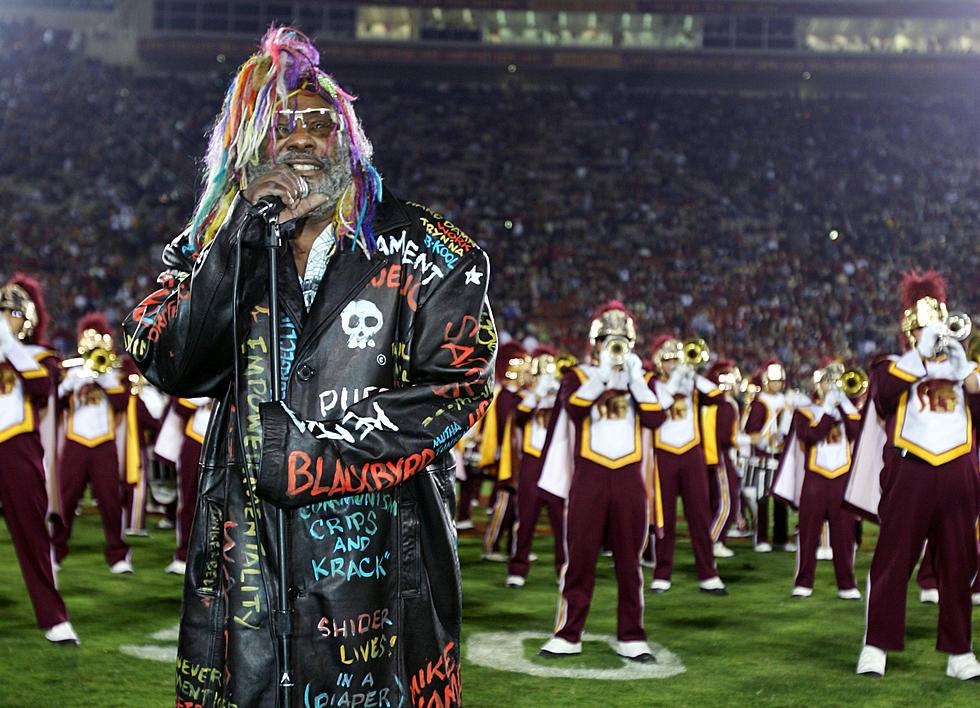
(389, 368)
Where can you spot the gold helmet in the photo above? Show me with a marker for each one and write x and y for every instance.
(924, 298)
(513, 364)
(666, 347)
(14, 297)
(611, 320)
(770, 371)
(827, 375)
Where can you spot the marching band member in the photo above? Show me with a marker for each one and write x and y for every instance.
(813, 475)
(134, 438)
(721, 440)
(501, 445)
(466, 453)
(534, 415)
(680, 462)
(180, 442)
(929, 485)
(607, 499)
(28, 371)
(764, 425)
(93, 396)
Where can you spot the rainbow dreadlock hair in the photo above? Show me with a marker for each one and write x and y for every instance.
(286, 64)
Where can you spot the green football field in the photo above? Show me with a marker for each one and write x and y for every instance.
(755, 647)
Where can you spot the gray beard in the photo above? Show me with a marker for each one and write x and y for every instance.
(334, 180)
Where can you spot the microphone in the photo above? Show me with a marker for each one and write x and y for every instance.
(269, 206)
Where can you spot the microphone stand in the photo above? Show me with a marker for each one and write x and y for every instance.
(283, 617)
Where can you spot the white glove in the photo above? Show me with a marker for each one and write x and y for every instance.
(687, 379)
(675, 380)
(962, 367)
(107, 380)
(71, 382)
(546, 385)
(797, 399)
(605, 365)
(744, 444)
(7, 339)
(928, 340)
(619, 380)
(634, 367)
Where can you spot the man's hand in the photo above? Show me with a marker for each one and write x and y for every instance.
(286, 184)
(605, 366)
(634, 366)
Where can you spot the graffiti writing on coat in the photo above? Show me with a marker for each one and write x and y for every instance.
(247, 609)
(287, 351)
(337, 431)
(447, 438)
(367, 697)
(199, 685)
(338, 400)
(352, 531)
(371, 567)
(482, 401)
(375, 648)
(437, 684)
(361, 320)
(348, 479)
(375, 500)
(363, 623)
(256, 392)
(412, 257)
(397, 278)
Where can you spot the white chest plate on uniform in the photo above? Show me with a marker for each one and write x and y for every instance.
(91, 415)
(679, 430)
(933, 420)
(613, 431)
(13, 408)
(536, 434)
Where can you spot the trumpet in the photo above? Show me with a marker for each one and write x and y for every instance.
(958, 325)
(562, 362)
(96, 355)
(618, 348)
(694, 352)
(853, 382)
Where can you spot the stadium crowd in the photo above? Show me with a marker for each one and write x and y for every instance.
(706, 213)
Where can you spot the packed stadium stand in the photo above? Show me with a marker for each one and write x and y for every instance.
(773, 219)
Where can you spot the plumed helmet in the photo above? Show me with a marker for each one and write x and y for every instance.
(924, 300)
(829, 370)
(543, 360)
(771, 370)
(23, 295)
(612, 319)
(94, 333)
(666, 346)
(512, 363)
(725, 374)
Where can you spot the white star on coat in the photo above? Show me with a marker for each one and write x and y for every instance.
(473, 276)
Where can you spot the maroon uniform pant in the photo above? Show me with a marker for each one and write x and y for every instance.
(687, 476)
(502, 518)
(723, 495)
(820, 500)
(190, 455)
(919, 502)
(98, 466)
(469, 493)
(25, 505)
(531, 499)
(604, 506)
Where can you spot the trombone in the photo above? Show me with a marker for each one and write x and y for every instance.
(853, 382)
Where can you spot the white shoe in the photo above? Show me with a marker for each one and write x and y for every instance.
(975, 597)
(464, 525)
(825, 553)
(165, 524)
(714, 586)
(644, 563)
(763, 548)
(137, 532)
(556, 646)
(62, 633)
(659, 586)
(636, 650)
(720, 550)
(496, 557)
(800, 591)
(929, 597)
(788, 547)
(871, 662)
(851, 594)
(121, 567)
(176, 567)
(964, 667)
(514, 581)
(532, 557)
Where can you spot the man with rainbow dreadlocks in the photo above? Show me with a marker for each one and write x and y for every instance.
(387, 347)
